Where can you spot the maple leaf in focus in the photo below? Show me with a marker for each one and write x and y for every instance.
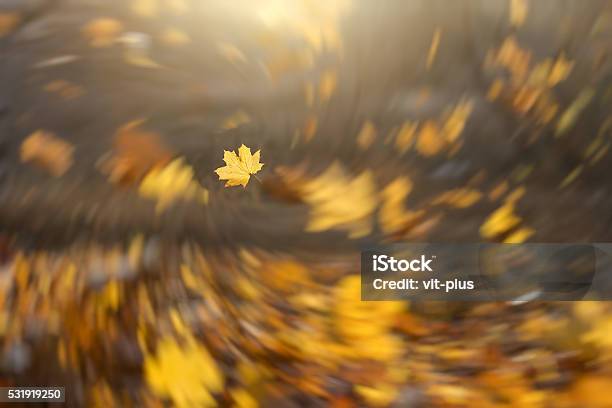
(239, 167)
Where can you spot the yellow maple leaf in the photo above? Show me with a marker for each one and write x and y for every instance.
(239, 167)
(186, 374)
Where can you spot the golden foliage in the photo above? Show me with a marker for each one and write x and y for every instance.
(239, 167)
(434, 136)
(135, 152)
(170, 183)
(405, 136)
(393, 215)
(430, 141)
(365, 326)
(571, 114)
(337, 201)
(459, 198)
(366, 135)
(529, 88)
(184, 373)
(48, 152)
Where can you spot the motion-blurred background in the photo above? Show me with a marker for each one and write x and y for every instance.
(133, 277)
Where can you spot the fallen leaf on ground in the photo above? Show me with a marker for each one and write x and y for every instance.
(186, 374)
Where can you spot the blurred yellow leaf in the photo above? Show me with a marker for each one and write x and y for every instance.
(366, 135)
(512, 57)
(380, 396)
(64, 89)
(338, 202)
(170, 183)
(571, 114)
(135, 152)
(102, 32)
(47, 151)
(393, 214)
(519, 236)
(184, 373)
(459, 198)
(140, 59)
(592, 391)
(495, 89)
(405, 136)
(174, 37)
(433, 48)
(243, 399)
(145, 8)
(8, 22)
(500, 221)
(430, 141)
(287, 62)
(518, 12)
(327, 85)
(239, 167)
(456, 120)
(560, 70)
(366, 326)
(238, 118)
(310, 127)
